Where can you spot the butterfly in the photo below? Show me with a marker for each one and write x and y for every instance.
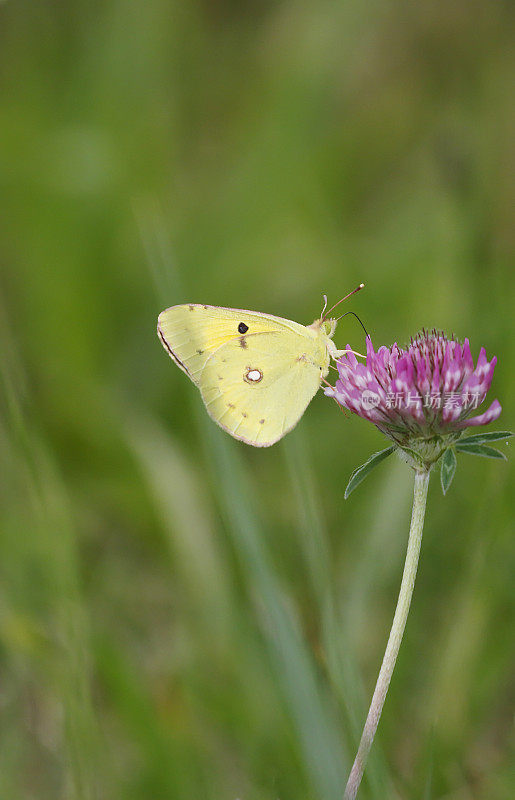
(256, 373)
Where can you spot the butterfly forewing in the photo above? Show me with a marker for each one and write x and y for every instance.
(191, 333)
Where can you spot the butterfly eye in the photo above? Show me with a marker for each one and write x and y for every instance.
(242, 328)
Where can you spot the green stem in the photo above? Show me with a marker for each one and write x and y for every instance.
(394, 641)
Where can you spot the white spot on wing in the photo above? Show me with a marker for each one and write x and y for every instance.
(254, 375)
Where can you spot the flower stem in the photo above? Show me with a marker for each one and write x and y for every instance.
(394, 641)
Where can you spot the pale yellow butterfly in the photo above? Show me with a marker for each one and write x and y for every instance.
(256, 373)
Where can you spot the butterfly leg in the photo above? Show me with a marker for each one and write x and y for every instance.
(335, 354)
(339, 353)
(342, 408)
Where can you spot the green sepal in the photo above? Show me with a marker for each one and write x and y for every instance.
(486, 436)
(479, 450)
(361, 473)
(417, 462)
(447, 468)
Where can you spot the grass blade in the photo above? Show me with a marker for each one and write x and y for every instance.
(318, 733)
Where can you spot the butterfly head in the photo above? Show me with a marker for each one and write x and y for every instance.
(327, 325)
(324, 327)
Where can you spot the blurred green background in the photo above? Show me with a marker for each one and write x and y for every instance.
(182, 616)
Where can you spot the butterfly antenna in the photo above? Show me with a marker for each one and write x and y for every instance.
(324, 296)
(361, 286)
(354, 315)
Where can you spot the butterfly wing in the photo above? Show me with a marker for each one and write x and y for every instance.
(192, 333)
(255, 384)
(258, 393)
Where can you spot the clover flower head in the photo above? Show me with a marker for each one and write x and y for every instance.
(421, 396)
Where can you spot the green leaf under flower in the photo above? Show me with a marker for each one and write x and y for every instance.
(361, 473)
(447, 468)
(486, 436)
(479, 450)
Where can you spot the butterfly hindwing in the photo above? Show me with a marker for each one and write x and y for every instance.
(259, 392)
